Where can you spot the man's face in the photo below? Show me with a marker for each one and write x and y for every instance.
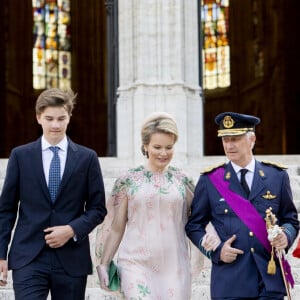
(238, 149)
(54, 122)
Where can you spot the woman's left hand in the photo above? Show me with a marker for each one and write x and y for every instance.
(103, 276)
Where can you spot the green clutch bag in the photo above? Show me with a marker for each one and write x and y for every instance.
(114, 279)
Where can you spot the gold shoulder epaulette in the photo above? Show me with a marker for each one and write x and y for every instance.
(277, 165)
(211, 168)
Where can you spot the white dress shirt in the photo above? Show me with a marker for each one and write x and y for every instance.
(249, 175)
(47, 155)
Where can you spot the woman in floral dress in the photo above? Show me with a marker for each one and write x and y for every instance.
(148, 209)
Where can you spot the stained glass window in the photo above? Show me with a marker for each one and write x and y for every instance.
(215, 44)
(51, 44)
(258, 54)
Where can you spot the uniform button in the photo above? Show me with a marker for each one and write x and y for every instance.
(251, 233)
(252, 250)
(226, 211)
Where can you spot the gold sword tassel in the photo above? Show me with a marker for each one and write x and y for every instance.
(269, 224)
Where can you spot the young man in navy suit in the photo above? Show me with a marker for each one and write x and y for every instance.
(50, 248)
(235, 197)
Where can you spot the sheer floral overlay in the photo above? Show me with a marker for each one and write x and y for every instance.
(153, 257)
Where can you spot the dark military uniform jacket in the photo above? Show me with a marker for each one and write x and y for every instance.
(270, 188)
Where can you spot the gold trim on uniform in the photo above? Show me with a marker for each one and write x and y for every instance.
(269, 196)
(272, 163)
(234, 131)
(211, 168)
(228, 175)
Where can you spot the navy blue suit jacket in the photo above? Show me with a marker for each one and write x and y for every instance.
(241, 277)
(80, 203)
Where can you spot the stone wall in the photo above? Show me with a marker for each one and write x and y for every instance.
(200, 266)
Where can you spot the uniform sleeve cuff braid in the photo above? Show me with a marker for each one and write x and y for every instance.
(205, 252)
(290, 232)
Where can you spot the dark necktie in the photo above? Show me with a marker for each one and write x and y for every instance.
(54, 173)
(244, 182)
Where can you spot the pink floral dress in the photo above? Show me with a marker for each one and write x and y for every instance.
(153, 257)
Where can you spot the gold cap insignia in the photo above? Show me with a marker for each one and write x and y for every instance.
(228, 122)
(269, 196)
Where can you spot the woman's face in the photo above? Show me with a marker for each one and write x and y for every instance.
(160, 151)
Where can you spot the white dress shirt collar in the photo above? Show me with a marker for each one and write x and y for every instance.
(63, 144)
(250, 167)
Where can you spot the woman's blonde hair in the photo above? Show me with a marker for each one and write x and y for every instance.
(157, 122)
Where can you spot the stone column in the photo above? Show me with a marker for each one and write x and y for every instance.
(159, 71)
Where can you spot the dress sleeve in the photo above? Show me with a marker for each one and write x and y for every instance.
(190, 189)
(187, 187)
(119, 192)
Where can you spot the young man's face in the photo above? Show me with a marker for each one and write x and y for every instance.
(54, 121)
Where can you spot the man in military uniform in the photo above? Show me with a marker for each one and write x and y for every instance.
(234, 197)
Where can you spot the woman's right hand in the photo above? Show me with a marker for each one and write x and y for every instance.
(210, 242)
(211, 239)
(103, 276)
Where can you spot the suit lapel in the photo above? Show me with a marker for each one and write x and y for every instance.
(71, 162)
(37, 166)
(234, 183)
(258, 181)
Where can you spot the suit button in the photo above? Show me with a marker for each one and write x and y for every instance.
(252, 250)
(225, 210)
(251, 233)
